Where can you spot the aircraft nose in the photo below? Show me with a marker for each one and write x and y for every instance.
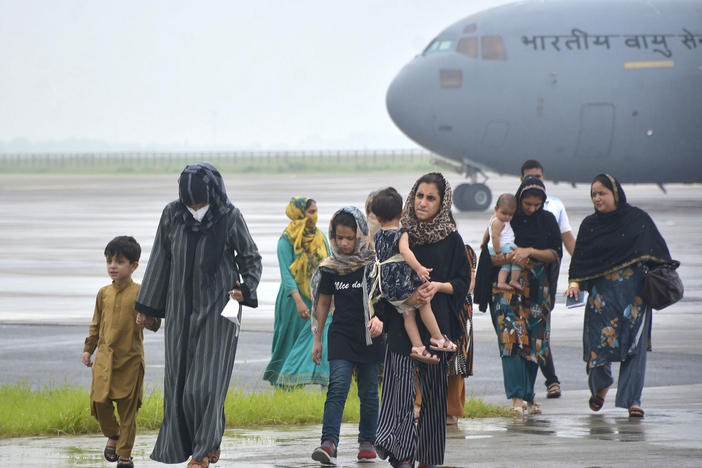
(408, 102)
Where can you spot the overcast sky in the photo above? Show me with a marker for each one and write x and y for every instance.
(259, 74)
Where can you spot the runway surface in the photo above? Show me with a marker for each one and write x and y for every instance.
(55, 227)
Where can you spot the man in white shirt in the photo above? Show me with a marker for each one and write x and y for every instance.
(555, 206)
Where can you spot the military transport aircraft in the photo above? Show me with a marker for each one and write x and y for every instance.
(584, 86)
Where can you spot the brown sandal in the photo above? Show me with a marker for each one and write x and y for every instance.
(443, 345)
(214, 456)
(204, 463)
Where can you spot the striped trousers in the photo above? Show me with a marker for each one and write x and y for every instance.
(397, 436)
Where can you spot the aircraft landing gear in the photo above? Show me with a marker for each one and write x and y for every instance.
(469, 197)
(472, 197)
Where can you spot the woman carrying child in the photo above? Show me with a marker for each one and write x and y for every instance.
(352, 344)
(438, 246)
(397, 274)
(521, 318)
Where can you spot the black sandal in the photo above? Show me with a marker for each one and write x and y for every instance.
(125, 463)
(111, 450)
(636, 412)
(596, 402)
(554, 390)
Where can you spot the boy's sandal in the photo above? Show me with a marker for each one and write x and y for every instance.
(425, 357)
(110, 452)
(636, 412)
(204, 463)
(214, 456)
(444, 345)
(596, 402)
(125, 463)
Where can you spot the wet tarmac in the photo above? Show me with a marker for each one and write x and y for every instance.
(566, 435)
(55, 227)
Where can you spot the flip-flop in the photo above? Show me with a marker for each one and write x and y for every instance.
(445, 346)
(425, 357)
(596, 402)
(533, 408)
(636, 412)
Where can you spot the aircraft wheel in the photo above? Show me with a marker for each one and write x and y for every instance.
(480, 197)
(460, 197)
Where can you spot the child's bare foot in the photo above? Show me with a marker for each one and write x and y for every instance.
(442, 344)
(516, 285)
(505, 286)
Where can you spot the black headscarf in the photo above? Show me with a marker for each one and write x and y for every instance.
(202, 183)
(607, 242)
(539, 229)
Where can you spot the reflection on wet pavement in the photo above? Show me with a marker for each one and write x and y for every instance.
(560, 438)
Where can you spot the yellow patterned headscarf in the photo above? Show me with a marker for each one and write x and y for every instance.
(308, 243)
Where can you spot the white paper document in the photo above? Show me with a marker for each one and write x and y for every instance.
(231, 312)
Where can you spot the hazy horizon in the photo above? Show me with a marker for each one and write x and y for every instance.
(175, 75)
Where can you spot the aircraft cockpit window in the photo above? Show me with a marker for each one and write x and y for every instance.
(470, 28)
(451, 78)
(439, 45)
(468, 46)
(493, 48)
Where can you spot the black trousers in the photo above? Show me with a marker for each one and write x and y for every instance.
(548, 370)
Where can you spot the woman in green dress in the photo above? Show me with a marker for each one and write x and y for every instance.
(301, 247)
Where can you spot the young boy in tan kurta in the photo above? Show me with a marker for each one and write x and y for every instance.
(118, 370)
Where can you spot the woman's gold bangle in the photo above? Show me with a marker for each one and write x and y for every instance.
(531, 254)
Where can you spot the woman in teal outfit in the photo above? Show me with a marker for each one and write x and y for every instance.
(301, 247)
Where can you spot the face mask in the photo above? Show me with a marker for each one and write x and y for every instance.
(198, 214)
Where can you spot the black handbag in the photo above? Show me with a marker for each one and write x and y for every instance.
(662, 285)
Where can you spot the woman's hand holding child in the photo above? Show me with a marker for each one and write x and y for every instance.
(423, 273)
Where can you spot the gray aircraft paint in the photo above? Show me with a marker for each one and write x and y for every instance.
(584, 87)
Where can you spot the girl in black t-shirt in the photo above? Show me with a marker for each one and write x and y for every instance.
(338, 285)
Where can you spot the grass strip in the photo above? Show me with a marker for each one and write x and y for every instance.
(64, 410)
